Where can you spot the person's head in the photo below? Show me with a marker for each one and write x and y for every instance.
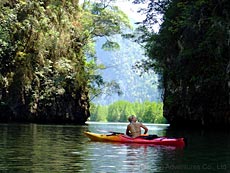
(132, 118)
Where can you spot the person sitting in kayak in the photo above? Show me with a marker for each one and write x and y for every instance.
(134, 128)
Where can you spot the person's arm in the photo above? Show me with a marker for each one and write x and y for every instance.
(127, 131)
(145, 128)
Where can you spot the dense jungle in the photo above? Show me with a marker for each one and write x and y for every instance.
(49, 71)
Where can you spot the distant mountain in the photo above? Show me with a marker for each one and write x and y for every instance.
(120, 68)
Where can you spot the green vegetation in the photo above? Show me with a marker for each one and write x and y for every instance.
(149, 112)
(191, 53)
(47, 58)
(49, 70)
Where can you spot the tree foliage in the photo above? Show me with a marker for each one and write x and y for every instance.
(191, 52)
(47, 57)
(119, 111)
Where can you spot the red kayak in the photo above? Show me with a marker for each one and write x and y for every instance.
(145, 139)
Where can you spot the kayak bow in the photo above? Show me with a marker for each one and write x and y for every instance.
(177, 142)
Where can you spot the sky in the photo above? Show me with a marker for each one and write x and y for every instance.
(131, 9)
(128, 7)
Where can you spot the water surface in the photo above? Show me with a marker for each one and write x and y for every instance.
(64, 148)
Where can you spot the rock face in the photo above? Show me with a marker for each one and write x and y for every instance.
(191, 53)
(67, 109)
(205, 105)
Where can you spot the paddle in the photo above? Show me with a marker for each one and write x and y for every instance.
(113, 133)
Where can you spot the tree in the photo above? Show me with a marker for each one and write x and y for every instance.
(191, 52)
(119, 111)
(98, 113)
(47, 60)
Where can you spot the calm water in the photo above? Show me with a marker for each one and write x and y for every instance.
(52, 148)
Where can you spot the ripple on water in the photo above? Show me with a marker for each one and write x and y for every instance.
(41, 148)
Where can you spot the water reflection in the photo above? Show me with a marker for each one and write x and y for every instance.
(116, 157)
(34, 148)
(49, 148)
